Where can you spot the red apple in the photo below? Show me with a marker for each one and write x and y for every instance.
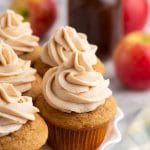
(40, 13)
(132, 60)
(135, 14)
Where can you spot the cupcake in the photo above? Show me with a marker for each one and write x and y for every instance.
(77, 105)
(18, 72)
(62, 45)
(18, 35)
(21, 128)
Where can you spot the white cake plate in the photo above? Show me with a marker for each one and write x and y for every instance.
(113, 135)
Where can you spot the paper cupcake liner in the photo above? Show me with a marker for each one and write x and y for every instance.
(87, 140)
(67, 139)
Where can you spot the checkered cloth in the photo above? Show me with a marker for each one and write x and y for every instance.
(138, 136)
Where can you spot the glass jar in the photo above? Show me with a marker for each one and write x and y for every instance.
(101, 20)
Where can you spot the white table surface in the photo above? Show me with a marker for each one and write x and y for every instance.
(131, 102)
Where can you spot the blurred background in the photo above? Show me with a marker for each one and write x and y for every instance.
(120, 28)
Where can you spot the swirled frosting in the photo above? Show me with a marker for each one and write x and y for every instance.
(63, 44)
(16, 33)
(75, 87)
(15, 70)
(15, 109)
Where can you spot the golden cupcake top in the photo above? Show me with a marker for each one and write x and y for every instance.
(64, 43)
(15, 109)
(16, 33)
(15, 70)
(74, 86)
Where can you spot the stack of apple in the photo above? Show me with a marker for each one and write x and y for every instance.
(40, 13)
(132, 55)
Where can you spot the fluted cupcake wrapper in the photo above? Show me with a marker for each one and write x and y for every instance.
(112, 136)
(83, 139)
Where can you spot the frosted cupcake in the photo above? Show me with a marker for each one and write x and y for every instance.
(21, 128)
(18, 35)
(77, 105)
(18, 72)
(61, 47)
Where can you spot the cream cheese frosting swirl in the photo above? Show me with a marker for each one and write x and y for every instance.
(64, 43)
(75, 86)
(15, 109)
(16, 33)
(15, 70)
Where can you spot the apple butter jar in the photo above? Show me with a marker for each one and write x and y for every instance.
(101, 20)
